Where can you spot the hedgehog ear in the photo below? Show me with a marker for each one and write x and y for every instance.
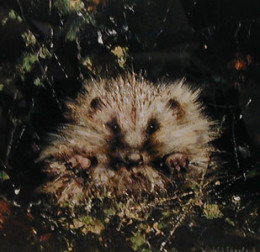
(96, 104)
(176, 107)
(173, 104)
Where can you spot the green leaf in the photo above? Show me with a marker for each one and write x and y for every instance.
(38, 82)
(138, 241)
(14, 16)
(28, 60)
(4, 176)
(29, 38)
(212, 211)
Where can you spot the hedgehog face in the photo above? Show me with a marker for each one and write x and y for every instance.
(129, 138)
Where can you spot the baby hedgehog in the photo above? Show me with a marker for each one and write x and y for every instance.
(129, 138)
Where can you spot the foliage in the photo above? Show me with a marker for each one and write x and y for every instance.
(47, 50)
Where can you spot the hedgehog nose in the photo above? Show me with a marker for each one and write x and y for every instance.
(134, 158)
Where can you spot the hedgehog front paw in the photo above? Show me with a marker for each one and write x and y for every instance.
(79, 161)
(177, 162)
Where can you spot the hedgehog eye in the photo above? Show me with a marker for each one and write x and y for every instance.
(114, 127)
(153, 126)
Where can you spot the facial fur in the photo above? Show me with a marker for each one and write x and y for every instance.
(129, 138)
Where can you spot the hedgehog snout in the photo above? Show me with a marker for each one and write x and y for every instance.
(133, 158)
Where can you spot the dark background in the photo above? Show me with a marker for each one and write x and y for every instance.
(47, 49)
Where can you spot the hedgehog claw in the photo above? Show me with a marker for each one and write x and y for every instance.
(177, 161)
